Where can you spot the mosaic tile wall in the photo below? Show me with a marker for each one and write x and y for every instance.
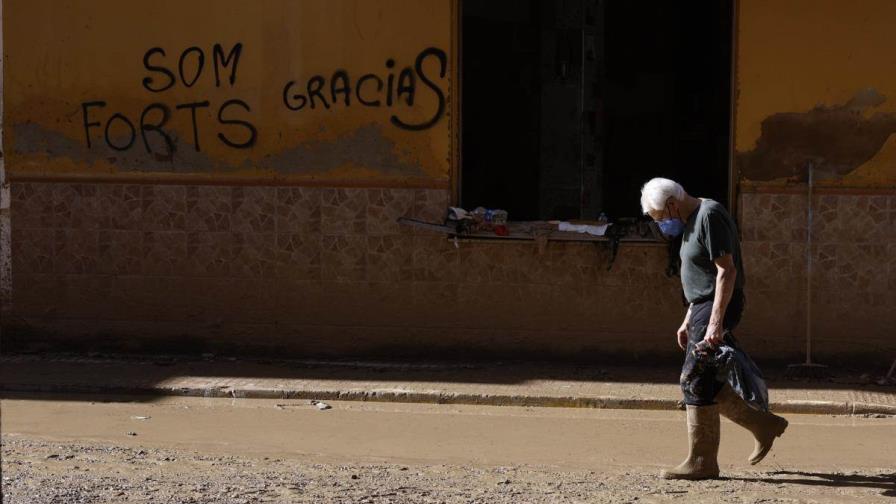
(853, 280)
(315, 271)
(328, 272)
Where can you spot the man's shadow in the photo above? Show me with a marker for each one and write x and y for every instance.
(885, 482)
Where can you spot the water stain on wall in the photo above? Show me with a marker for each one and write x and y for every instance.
(835, 140)
(364, 147)
(33, 139)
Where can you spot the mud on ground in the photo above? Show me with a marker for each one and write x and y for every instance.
(43, 472)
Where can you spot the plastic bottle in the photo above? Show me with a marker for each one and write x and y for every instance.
(498, 217)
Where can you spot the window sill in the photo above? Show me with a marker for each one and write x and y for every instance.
(539, 230)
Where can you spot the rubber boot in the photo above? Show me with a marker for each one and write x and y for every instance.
(764, 426)
(703, 434)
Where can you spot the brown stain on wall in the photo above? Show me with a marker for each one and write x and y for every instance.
(798, 68)
(366, 146)
(33, 139)
(834, 140)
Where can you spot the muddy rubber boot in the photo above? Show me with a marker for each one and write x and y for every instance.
(703, 434)
(764, 426)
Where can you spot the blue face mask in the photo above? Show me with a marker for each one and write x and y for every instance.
(671, 227)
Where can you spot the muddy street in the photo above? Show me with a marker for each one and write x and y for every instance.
(243, 451)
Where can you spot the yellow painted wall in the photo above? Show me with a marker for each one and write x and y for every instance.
(60, 54)
(820, 77)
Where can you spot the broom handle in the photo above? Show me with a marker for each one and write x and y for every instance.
(809, 269)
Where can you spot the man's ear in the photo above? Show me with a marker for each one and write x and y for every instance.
(674, 209)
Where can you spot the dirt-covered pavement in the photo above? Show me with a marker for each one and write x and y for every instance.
(244, 451)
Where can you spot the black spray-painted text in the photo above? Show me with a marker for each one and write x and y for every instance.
(371, 90)
(231, 119)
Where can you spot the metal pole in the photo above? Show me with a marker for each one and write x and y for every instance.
(809, 268)
(808, 368)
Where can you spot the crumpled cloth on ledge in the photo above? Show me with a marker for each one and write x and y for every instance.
(592, 229)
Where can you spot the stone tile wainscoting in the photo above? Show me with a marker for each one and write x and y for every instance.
(853, 280)
(310, 271)
(307, 271)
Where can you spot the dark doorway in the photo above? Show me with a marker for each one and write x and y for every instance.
(570, 105)
(667, 98)
(501, 106)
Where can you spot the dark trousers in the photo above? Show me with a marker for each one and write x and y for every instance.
(700, 380)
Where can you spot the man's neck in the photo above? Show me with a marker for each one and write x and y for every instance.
(689, 206)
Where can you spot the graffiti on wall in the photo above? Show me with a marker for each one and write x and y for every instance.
(369, 89)
(120, 132)
(233, 124)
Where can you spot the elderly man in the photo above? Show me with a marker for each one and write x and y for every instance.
(712, 277)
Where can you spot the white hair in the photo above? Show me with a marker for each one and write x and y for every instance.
(656, 192)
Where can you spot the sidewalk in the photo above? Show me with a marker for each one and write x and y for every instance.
(500, 384)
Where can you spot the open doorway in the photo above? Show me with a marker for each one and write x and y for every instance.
(569, 106)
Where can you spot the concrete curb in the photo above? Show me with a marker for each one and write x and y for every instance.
(435, 397)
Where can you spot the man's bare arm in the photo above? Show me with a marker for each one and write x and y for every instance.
(725, 279)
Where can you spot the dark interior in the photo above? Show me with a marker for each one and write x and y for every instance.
(568, 107)
(501, 106)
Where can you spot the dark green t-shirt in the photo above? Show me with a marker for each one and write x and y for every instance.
(709, 233)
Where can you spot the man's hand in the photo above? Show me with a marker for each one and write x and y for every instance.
(683, 335)
(714, 335)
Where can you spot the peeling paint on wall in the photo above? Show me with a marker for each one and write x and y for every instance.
(814, 82)
(835, 140)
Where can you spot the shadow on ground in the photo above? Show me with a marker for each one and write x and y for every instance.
(885, 482)
(40, 374)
